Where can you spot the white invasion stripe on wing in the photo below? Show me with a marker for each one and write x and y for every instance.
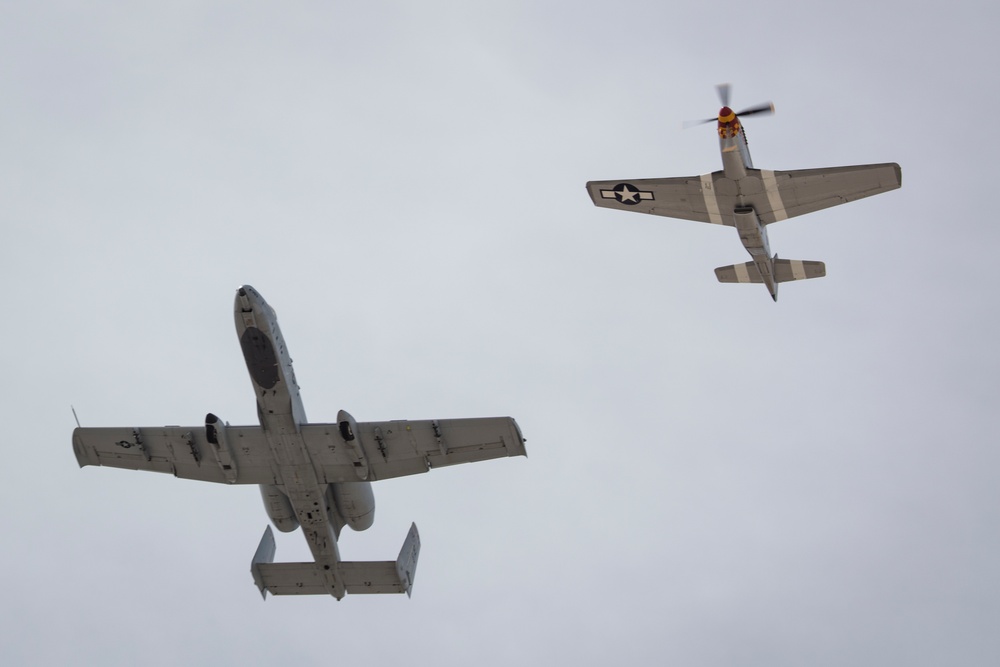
(742, 275)
(798, 269)
(711, 203)
(773, 196)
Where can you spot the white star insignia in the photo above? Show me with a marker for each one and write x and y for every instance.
(629, 195)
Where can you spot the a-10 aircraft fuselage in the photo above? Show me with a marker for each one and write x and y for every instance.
(302, 499)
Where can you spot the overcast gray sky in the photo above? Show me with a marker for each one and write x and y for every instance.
(714, 479)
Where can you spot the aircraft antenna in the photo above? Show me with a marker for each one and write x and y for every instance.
(74, 415)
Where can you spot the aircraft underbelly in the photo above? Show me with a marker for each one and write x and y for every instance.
(755, 241)
(751, 191)
(300, 483)
(280, 410)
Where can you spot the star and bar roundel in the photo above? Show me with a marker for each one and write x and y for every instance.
(626, 193)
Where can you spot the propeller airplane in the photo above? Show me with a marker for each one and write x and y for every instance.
(747, 198)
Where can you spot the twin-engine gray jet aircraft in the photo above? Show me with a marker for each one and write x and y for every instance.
(316, 476)
(748, 199)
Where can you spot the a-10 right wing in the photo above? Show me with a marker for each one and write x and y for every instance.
(381, 450)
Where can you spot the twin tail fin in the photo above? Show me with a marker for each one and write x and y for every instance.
(349, 576)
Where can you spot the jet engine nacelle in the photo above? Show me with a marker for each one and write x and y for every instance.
(354, 504)
(279, 508)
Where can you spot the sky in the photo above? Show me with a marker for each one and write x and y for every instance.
(712, 478)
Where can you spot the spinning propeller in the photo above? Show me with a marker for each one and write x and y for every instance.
(724, 90)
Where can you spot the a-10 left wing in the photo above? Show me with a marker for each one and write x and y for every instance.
(241, 454)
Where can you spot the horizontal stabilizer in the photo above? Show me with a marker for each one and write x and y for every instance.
(346, 576)
(291, 579)
(738, 273)
(785, 270)
(385, 576)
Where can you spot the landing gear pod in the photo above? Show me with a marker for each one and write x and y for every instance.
(350, 434)
(215, 433)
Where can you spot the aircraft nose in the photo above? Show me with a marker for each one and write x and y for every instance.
(247, 298)
(726, 115)
(250, 300)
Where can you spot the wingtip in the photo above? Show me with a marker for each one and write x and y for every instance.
(79, 449)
